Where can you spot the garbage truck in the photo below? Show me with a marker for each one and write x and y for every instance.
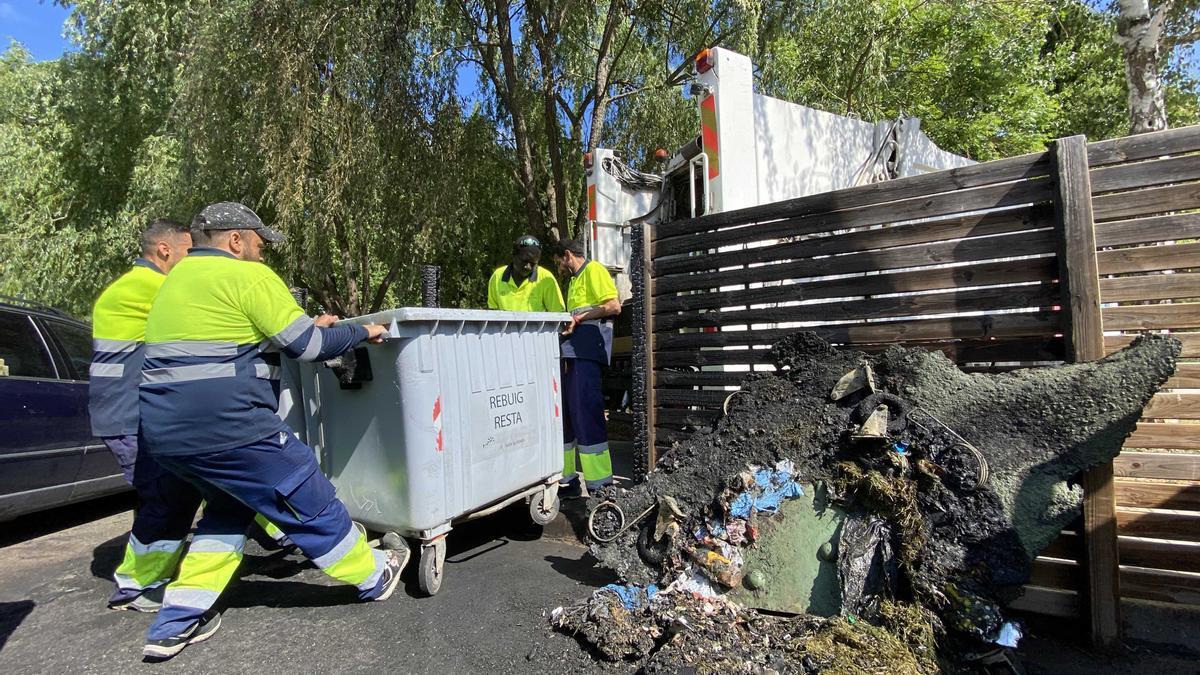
(750, 149)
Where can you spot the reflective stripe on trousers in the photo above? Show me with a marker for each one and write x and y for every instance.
(147, 565)
(280, 479)
(585, 434)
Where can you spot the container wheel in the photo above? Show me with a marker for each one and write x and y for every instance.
(539, 513)
(429, 576)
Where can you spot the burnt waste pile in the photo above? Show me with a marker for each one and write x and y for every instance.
(856, 512)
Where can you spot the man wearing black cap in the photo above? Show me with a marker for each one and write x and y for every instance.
(208, 398)
(592, 302)
(523, 285)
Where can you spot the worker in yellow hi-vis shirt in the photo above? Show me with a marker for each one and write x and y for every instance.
(166, 504)
(587, 349)
(523, 285)
(208, 398)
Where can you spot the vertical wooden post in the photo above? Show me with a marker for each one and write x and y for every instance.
(648, 309)
(1084, 334)
(641, 270)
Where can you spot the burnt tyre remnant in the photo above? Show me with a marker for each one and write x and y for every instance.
(916, 500)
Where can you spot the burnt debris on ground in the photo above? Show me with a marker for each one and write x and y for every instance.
(883, 508)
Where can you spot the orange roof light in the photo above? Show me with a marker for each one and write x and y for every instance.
(587, 160)
(704, 61)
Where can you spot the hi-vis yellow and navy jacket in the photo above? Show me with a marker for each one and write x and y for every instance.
(538, 293)
(210, 380)
(118, 336)
(592, 285)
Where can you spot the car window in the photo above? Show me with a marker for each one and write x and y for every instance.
(22, 349)
(77, 341)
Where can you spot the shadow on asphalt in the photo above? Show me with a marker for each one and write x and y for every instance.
(280, 594)
(465, 542)
(107, 556)
(42, 523)
(583, 569)
(11, 616)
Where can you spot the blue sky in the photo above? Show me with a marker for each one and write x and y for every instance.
(37, 24)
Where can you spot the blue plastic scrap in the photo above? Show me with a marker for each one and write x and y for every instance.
(1010, 634)
(633, 596)
(775, 484)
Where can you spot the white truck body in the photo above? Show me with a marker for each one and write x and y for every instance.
(756, 150)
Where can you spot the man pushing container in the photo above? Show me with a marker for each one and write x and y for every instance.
(208, 399)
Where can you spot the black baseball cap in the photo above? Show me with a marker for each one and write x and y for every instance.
(233, 216)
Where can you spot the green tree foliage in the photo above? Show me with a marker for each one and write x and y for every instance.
(384, 134)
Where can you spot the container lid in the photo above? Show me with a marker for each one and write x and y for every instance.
(396, 318)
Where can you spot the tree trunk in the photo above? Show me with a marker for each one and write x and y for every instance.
(546, 29)
(600, 86)
(1139, 33)
(525, 169)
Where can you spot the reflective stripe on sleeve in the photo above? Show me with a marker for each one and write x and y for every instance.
(292, 331)
(314, 345)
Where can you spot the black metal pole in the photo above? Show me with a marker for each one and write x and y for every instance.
(431, 286)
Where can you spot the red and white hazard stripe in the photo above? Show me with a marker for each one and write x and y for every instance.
(437, 423)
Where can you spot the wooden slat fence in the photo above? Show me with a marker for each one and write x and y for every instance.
(968, 262)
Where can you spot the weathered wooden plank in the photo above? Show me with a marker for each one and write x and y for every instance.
(710, 357)
(1179, 556)
(1159, 465)
(960, 351)
(862, 240)
(1059, 574)
(681, 417)
(963, 276)
(709, 399)
(1048, 602)
(1174, 406)
(997, 325)
(1187, 376)
(933, 206)
(1148, 230)
(1152, 317)
(1067, 547)
(1084, 335)
(1148, 202)
(1159, 525)
(969, 250)
(1191, 343)
(1149, 259)
(1160, 586)
(976, 175)
(1150, 287)
(1145, 174)
(987, 299)
(667, 378)
(1136, 583)
(1170, 435)
(1144, 146)
(1147, 494)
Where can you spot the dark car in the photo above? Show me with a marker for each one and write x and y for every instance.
(48, 456)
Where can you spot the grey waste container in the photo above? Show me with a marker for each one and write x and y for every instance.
(461, 416)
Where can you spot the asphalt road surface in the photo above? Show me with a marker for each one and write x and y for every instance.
(282, 615)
